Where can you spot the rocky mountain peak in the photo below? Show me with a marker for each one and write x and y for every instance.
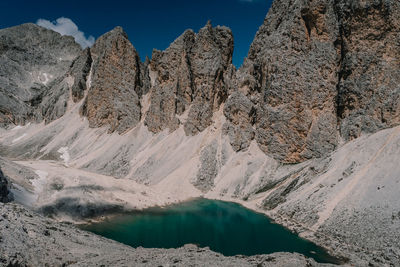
(116, 35)
(189, 77)
(290, 78)
(116, 86)
(119, 30)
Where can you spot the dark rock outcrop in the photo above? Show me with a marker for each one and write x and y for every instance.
(80, 70)
(116, 87)
(4, 193)
(191, 75)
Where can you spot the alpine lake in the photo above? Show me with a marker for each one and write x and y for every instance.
(224, 227)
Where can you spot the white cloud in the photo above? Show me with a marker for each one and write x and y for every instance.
(66, 26)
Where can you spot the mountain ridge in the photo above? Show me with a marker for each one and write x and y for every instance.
(278, 115)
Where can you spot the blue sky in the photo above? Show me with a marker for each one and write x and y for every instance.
(148, 23)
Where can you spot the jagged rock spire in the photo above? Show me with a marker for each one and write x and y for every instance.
(116, 86)
(190, 75)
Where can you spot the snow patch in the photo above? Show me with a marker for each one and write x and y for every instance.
(20, 127)
(70, 81)
(16, 128)
(64, 155)
(153, 76)
(18, 138)
(145, 103)
(89, 78)
(44, 78)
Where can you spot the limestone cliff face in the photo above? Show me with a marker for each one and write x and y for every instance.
(316, 71)
(290, 78)
(190, 76)
(114, 96)
(33, 63)
(369, 81)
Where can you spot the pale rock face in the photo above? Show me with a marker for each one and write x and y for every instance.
(313, 76)
(212, 56)
(114, 97)
(190, 75)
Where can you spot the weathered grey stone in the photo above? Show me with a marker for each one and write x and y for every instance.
(191, 74)
(172, 88)
(199, 118)
(291, 75)
(317, 67)
(240, 113)
(31, 58)
(212, 57)
(208, 169)
(54, 103)
(79, 71)
(145, 77)
(113, 99)
(369, 81)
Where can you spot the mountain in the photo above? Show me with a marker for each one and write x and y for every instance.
(306, 130)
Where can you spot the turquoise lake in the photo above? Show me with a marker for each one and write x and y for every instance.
(225, 227)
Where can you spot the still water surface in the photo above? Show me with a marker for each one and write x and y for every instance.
(225, 227)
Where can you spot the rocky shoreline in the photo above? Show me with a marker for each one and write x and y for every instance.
(28, 239)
